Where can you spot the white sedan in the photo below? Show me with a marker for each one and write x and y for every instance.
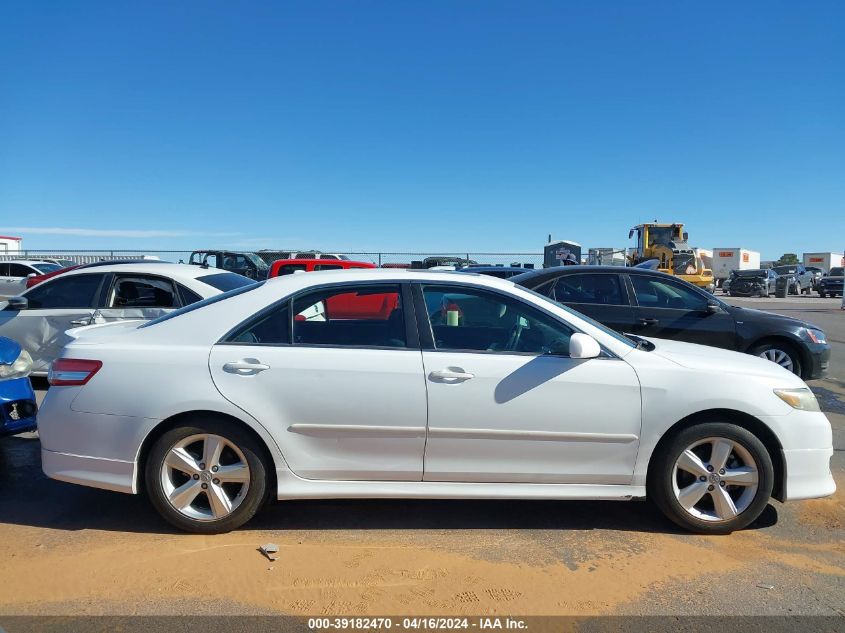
(422, 384)
(39, 318)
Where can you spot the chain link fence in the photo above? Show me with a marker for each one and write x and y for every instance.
(382, 259)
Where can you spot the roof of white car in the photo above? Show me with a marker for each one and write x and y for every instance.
(24, 261)
(290, 283)
(165, 269)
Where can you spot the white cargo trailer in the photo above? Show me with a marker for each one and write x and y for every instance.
(727, 259)
(825, 261)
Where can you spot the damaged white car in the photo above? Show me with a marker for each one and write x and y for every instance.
(39, 318)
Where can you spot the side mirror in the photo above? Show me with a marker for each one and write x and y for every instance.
(583, 346)
(17, 303)
(713, 307)
(31, 275)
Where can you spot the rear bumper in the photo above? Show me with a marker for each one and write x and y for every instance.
(96, 472)
(808, 473)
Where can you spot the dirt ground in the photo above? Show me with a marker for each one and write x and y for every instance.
(72, 550)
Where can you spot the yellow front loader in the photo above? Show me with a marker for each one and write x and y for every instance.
(667, 243)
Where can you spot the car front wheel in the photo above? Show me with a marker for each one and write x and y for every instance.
(712, 478)
(206, 477)
(780, 353)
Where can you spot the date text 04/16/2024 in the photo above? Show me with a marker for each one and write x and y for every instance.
(416, 623)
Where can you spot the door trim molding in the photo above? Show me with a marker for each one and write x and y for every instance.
(357, 430)
(535, 436)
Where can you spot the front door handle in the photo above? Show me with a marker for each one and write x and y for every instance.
(649, 321)
(450, 374)
(81, 322)
(245, 367)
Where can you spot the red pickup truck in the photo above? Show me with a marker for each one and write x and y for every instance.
(289, 266)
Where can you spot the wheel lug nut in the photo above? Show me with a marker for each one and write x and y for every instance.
(722, 483)
(214, 469)
(710, 469)
(216, 481)
(721, 471)
(710, 488)
(196, 476)
(202, 465)
(702, 478)
(205, 486)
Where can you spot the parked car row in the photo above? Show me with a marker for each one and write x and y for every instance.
(38, 319)
(386, 383)
(792, 279)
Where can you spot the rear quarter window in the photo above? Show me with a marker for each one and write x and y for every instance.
(226, 281)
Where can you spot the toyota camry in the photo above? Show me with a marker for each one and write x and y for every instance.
(387, 383)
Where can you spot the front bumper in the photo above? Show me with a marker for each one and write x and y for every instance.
(830, 288)
(819, 356)
(808, 473)
(17, 406)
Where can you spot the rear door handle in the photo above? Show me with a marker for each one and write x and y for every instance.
(450, 374)
(246, 367)
(649, 321)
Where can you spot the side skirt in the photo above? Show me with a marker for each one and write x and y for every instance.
(292, 487)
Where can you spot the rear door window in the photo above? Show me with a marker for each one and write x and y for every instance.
(351, 316)
(289, 269)
(601, 289)
(64, 291)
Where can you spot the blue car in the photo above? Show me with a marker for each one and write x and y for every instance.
(17, 399)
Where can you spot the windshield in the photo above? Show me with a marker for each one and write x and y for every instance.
(616, 335)
(260, 264)
(226, 281)
(750, 273)
(661, 235)
(46, 268)
(204, 302)
(785, 270)
(837, 272)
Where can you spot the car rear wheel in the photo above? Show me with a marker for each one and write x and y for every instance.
(822, 294)
(206, 477)
(712, 478)
(781, 353)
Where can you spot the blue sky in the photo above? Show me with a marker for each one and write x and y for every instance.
(461, 125)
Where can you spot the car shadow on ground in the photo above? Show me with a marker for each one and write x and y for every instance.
(29, 498)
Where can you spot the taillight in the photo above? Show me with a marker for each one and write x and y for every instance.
(72, 371)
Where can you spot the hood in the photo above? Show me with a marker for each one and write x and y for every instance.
(9, 351)
(761, 315)
(705, 358)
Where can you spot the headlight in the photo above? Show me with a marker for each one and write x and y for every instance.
(20, 368)
(802, 399)
(817, 336)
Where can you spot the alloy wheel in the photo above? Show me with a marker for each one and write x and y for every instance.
(780, 357)
(715, 479)
(205, 477)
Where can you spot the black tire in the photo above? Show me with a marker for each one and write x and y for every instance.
(787, 348)
(822, 294)
(662, 471)
(257, 490)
